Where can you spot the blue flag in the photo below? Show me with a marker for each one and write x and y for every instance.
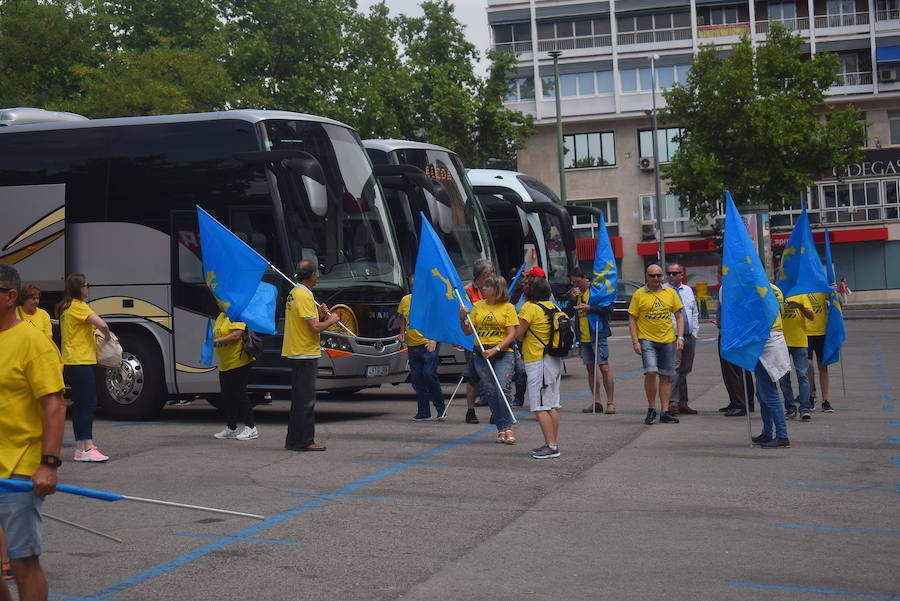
(749, 306)
(434, 307)
(835, 332)
(605, 278)
(206, 352)
(801, 271)
(233, 273)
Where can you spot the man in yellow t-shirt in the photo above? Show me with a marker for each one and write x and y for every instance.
(654, 338)
(592, 345)
(815, 330)
(796, 311)
(423, 365)
(303, 323)
(32, 419)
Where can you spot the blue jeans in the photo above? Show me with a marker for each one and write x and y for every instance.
(799, 356)
(504, 365)
(80, 379)
(770, 407)
(658, 357)
(423, 371)
(20, 518)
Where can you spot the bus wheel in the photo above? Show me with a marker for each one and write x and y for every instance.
(135, 390)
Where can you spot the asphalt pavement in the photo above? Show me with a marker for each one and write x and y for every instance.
(437, 511)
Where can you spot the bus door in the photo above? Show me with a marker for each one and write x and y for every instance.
(513, 239)
(558, 241)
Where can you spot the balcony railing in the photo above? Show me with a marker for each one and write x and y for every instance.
(723, 30)
(514, 46)
(842, 20)
(595, 41)
(860, 78)
(654, 35)
(890, 14)
(796, 24)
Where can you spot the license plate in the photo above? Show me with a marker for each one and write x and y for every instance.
(376, 370)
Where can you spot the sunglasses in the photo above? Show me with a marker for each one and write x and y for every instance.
(6, 289)
(654, 275)
(673, 272)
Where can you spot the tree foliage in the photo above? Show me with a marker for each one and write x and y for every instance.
(387, 76)
(755, 125)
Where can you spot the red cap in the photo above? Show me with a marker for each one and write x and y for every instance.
(536, 272)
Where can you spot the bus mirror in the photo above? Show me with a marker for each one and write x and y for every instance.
(317, 194)
(313, 177)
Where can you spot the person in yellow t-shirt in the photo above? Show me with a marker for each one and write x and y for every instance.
(815, 331)
(423, 365)
(32, 420)
(304, 321)
(30, 311)
(795, 313)
(543, 371)
(594, 350)
(79, 353)
(495, 322)
(654, 338)
(234, 371)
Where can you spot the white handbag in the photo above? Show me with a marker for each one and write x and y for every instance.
(109, 351)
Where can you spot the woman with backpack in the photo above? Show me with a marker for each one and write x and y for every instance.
(495, 322)
(234, 370)
(538, 326)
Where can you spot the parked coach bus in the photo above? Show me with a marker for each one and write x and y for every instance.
(424, 178)
(114, 199)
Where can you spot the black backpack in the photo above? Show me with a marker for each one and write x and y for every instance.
(251, 344)
(562, 337)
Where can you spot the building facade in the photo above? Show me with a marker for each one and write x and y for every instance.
(605, 85)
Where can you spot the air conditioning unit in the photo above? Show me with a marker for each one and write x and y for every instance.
(707, 226)
(647, 163)
(887, 75)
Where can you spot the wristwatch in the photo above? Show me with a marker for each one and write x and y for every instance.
(51, 461)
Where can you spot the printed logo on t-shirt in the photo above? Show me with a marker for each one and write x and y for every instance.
(658, 311)
(818, 307)
(489, 326)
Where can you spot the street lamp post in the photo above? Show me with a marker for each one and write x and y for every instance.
(559, 133)
(659, 199)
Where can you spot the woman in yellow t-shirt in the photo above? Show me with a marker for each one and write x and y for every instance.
(30, 312)
(234, 370)
(495, 322)
(79, 353)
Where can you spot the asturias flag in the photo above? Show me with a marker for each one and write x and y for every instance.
(835, 332)
(801, 271)
(749, 306)
(605, 279)
(434, 307)
(233, 273)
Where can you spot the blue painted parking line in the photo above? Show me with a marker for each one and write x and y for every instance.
(896, 460)
(329, 495)
(887, 397)
(835, 487)
(894, 439)
(832, 529)
(881, 372)
(890, 407)
(75, 597)
(237, 539)
(404, 463)
(885, 388)
(809, 589)
(892, 422)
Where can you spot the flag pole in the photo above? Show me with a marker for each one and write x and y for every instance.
(596, 365)
(452, 396)
(747, 406)
(80, 527)
(291, 281)
(843, 382)
(490, 367)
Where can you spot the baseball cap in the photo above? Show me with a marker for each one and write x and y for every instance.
(536, 272)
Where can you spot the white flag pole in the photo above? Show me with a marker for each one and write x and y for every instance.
(594, 390)
(453, 396)
(80, 527)
(490, 367)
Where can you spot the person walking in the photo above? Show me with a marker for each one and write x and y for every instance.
(738, 381)
(77, 322)
(234, 371)
(592, 343)
(774, 362)
(30, 311)
(544, 371)
(843, 291)
(494, 319)
(304, 322)
(32, 420)
(795, 311)
(423, 365)
(482, 269)
(684, 359)
(815, 330)
(656, 340)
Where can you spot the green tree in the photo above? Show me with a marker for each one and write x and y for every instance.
(140, 25)
(755, 124)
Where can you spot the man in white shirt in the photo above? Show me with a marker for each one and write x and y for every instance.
(684, 359)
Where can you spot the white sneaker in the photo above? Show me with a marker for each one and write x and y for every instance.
(227, 433)
(248, 433)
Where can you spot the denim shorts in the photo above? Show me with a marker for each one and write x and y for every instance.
(658, 357)
(587, 352)
(20, 517)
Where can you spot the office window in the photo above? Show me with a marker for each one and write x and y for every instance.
(585, 226)
(723, 16)
(636, 80)
(786, 12)
(515, 37)
(665, 140)
(595, 149)
(675, 219)
(894, 122)
(521, 88)
(578, 84)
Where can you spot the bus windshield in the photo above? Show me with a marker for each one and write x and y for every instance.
(460, 225)
(351, 241)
